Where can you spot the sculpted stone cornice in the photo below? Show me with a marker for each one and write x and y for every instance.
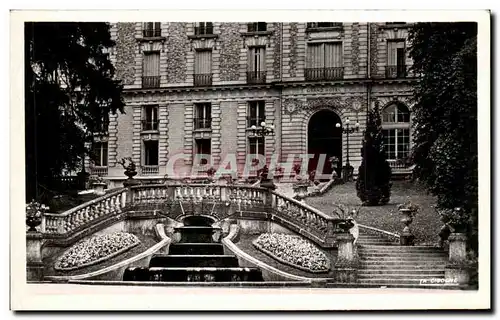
(355, 104)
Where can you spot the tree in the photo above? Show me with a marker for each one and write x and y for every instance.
(374, 174)
(69, 92)
(445, 113)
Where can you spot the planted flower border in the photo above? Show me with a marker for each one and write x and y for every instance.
(94, 262)
(289, 263)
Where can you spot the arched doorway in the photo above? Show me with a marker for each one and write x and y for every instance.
(324, 138)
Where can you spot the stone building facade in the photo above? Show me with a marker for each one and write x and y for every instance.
(199, 87)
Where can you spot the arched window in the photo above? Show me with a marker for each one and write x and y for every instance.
(396, 129)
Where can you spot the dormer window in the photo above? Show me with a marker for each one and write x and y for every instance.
(204, 28)
(151, 29)
(257, 26)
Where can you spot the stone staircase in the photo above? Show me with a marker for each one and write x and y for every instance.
(387, 264)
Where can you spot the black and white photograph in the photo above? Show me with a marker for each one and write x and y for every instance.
(330, 154)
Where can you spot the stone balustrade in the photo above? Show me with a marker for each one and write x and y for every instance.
(82, 215)
(161, 197)
(305, 216)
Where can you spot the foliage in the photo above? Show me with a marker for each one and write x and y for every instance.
(69, 93)
(131, 166)
(457, 218)
(295, 250)
(91, 250)
(374, 174)
(445, 114)
(35, 209)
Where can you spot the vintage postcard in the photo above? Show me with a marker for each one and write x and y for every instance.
(250, 160)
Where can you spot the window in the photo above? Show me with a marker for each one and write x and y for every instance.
(151, 29)
(150, 118)
(203, 147)
(203, 68)
(324, 61)
(256, 145)
(319, 25)
(203, 28)
(396, 130)
(151, 70)
(257, 26)
(151, 153)
(256, 65)
(102, 124)
(256, 113)
(100, 154)
(396, 66)
(203, 116)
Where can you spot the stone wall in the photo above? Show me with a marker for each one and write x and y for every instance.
(230, 39)
(125, 52)
(177, 46)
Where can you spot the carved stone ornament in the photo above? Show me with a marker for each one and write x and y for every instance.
(292, 105)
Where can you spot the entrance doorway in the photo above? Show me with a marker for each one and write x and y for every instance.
(324, 138)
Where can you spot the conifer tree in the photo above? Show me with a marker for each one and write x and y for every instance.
(374, 175)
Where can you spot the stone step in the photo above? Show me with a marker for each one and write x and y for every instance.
(393, 248)
(361, 284)
(163, 260)
(403, 255)
(401, 264)
(397, 281)
(373, 243)
(192, 274)
(435, 275)
(374, 271)
(196, 248)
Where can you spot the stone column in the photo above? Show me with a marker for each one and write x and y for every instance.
(344, 268)
(457, 270)
(34, 264)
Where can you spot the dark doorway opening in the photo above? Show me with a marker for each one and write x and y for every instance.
(198, 221)
(324, 138)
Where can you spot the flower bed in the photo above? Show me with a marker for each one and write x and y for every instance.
(95, 250)
(293, 250)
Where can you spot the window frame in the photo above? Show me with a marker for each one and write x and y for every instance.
(99, 159)
(395, 127)
(145, 156)
(260, 142)
(205, 117)
(260, 112)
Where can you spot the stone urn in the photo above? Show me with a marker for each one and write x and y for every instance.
(300, 189)
(130, 172)
(407, 238)
(33, 221)
(99, 188)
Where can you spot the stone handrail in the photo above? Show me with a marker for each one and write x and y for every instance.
(75, 218)
(310, 219)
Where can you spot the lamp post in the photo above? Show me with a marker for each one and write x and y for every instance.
(347, 170)
(263, 131)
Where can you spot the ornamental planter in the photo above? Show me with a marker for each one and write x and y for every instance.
(99, 188)
(300, 190)
(33, 221)
(407, 238)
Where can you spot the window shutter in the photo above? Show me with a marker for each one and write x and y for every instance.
(333, 55)
(203, 63)
(151, 64)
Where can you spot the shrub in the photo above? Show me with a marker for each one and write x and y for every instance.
(373, 185)
(293, 250)
(92, 250)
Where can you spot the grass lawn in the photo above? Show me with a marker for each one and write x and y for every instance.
(425, 226)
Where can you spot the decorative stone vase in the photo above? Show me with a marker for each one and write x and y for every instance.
(130, 181)
(99, 188)
(33, 221)
(407, 238)
(300, 190)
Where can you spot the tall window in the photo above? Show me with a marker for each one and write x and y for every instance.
(203, 68)
(203, 116)
(324, 61)
(256, 113)
(100, 154)
(256, 145)
(257, 26)
(151, 29)
(151, 70)
(319, 25)
(203, 28)
(396, 65)
(203, 148)
(396, 130)
(151, 152)
(256, 65)
(150, 118)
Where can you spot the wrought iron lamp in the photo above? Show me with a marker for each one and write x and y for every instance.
(347, 170)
